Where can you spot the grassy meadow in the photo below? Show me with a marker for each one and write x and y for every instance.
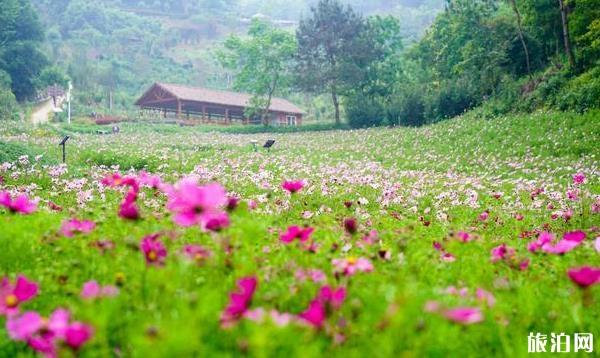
(410, 224)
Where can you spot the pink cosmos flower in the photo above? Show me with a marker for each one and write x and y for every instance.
(464, 236)
(193, 204)
(239, 301)
(485, 297)
(585, 276)
(92, 289)
(293, 186)
(371, 238)
(464, 315)
(154, 250)
(116, 180)
(543, 239)
(569, 241)
(216, 221)
(502, 252)
(317, 310)
(45, 335)
(70, 227)
(77, 334)
(128, 208)
(11, 296)
(315, 314)
(21, 204)
(578, 178)
(573, 195)
(349, 266)
(597, 244)
(149, 180)
(196, 253)
(484, 216)
(296, 232)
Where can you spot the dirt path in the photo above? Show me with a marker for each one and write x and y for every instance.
(43, 112)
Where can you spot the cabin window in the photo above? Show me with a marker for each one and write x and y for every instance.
(291, 120)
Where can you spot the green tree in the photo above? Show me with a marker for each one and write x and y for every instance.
(334, 51)
(20, 37)
(261, 63)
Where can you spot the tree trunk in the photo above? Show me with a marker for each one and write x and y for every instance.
(566, 38)
(521, 37)
(336, 104)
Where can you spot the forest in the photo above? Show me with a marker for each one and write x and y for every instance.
(405, 62)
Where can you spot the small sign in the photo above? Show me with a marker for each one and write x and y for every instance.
(269, 143)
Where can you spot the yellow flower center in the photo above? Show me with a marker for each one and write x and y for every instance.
(352, 260)
(152, 256)
(12, 301)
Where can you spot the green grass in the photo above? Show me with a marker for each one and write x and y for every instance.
(403, 173)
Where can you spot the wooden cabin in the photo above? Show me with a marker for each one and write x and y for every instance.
(193, 105)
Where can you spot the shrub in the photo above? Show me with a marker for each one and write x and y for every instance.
(581, 93)
(11, 152)
(363, 112)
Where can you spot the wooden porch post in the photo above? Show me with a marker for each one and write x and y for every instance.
(227, 115)
(178, 109)
(204, 113)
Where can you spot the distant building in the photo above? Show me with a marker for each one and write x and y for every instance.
(196, 104)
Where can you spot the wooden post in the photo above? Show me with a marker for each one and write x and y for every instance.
(203, 113)
(226, 115)
(178, 109)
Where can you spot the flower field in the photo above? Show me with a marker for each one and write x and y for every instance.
(459, 238)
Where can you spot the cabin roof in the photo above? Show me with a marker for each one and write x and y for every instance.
(220, 97)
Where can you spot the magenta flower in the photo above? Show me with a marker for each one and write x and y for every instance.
(45, 335)
(216, 221)
(484, 216)
(296, 232)
(70, 227)
(349, 266)
(239, 301)
(502, 252)
(315, 314)
(350, 225)
(193, 204)
(116, 180)
(464, 236)
(585, 276)
(21, 204)
(569, 241)
(543, 239)
(128, 208)
(77, 334)
(293, 186)
(464, 315)
(196, 253)
(92, 289)
(335, 298)
(11, 296)
(578, 178)
(154, 250)
(148, 180)
(327, 301)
